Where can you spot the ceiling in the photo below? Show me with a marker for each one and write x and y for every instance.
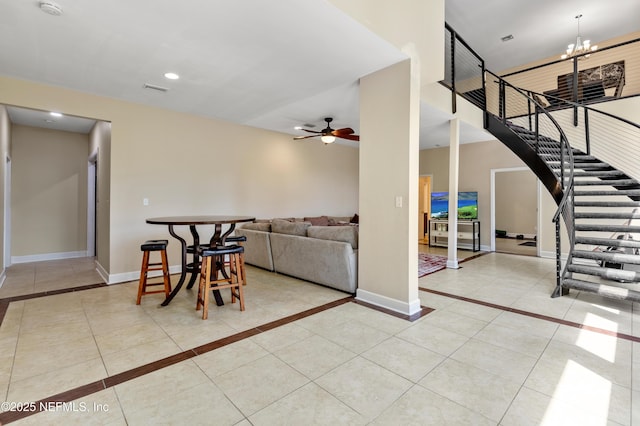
(273, 65)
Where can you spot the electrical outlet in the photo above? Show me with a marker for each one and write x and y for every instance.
(398, 201)
(145, 201)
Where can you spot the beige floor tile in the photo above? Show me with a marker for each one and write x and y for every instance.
(474, 388)
(513, 366)
(454, 322)
(354, 335)
(309, 405)
(364, 386)
(531, 408)
(59, 380)
(581, 386)
(532, 326)
(150, 390)
(261, 383)
(314, 356)
(403, 358)
(433, 338)
(478, 312)
(229, 358)
(419, 406)
(135, 356)
(36, 360)
(203, 404)
(281, 337)
(119, 340)
(513, 339)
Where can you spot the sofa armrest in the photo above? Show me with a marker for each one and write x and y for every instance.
(257, 248)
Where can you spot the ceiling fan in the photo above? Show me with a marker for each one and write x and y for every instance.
(328, 135)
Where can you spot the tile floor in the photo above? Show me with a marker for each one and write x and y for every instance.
(495, 351)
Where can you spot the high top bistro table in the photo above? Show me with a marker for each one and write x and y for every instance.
(218, 239)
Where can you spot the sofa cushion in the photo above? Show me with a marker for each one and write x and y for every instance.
(258, 226)
(346, 234)
(318, 221)
(292, 228)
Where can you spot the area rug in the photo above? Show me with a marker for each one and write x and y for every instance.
(430, 263)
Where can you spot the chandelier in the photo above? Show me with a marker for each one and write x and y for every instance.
(579, 47)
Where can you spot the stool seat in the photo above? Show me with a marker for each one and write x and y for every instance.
(154, 245)
(221, 250)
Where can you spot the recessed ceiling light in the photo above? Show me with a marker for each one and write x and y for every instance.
(171, 76)
(55, 114)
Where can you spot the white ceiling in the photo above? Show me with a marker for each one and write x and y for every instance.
(268, 64)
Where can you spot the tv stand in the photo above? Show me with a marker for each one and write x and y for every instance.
(468, 234)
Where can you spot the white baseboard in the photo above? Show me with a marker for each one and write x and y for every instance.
(48, 256)
(3, 276)
(389, 303)
(124, 277)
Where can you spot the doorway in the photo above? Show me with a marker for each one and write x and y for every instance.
(514, 219)
(424, 208)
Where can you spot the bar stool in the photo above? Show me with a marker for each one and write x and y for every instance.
(212, 261)
(147, 265)
(239, 239)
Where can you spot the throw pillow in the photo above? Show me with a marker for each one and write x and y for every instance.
(318, 221)
(258, 226)
(355, 218)
(345, 234)
(292, 228)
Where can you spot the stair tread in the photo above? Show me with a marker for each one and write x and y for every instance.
(607, 290)
(607, 228)
(607, 215)
(607, 242)
(609, 256)
(607, 273)
(606, 203)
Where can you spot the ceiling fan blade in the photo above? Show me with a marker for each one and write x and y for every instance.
(310, 131)
(344, 131)
(304, 137)
(350, 137)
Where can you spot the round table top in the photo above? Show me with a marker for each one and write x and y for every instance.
(199, 220)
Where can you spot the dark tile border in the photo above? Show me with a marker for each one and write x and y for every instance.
(534, 315)
(52, 292)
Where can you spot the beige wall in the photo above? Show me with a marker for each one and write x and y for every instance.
(516, 202)
(476, 162)
(186, 164)
(48, 191)
(5, 143)
(100, 153)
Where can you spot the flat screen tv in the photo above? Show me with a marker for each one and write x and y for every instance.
(467, 205)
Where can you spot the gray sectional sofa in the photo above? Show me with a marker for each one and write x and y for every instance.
(326, 254)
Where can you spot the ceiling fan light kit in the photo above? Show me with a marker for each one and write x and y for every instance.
(329, 135)
(51, 7)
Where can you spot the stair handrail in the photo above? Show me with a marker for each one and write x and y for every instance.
(566, 207)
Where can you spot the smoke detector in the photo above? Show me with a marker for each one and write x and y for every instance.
(51, 7)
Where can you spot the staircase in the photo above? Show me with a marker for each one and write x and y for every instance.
(598, 195)
(606, 249)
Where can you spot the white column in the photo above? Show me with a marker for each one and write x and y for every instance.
(454, 164)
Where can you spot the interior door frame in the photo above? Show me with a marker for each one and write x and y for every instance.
(7, 213)
(493, 205)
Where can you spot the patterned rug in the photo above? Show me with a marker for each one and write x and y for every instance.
(430, 263)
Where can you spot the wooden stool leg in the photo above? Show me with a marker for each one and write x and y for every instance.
(240, 282)
(142, 286)
(202, 285)
(165, 273)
